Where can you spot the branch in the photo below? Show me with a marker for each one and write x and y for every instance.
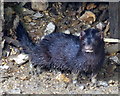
(111, 40)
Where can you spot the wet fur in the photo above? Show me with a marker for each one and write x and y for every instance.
(64, 52)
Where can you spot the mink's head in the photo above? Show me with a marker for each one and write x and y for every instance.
(91, 40)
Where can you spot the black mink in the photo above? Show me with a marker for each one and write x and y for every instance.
(65, 52)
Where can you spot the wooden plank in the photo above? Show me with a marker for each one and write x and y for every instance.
(114, 15)
(1, 24)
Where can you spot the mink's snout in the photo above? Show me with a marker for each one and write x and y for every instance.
(88, 48)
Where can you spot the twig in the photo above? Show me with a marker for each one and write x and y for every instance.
(111, 40)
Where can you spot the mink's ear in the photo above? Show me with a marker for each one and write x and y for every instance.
(82, 33)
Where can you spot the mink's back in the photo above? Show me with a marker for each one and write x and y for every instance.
(62, 46)
(56, 50)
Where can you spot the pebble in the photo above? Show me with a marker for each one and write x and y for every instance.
(94, 80)
(111, 82)
(32, 31)
(27, 11)
(67, 32)
(15, 91)
(19, 59)
(77, 34)
(2, 43)
(100, 26)
(42, 5)
(94, 92)
(81, 87)
(50, 28)
(102, 83)
(74, 81)
(115, 59)
(4, 67)
(42, 37)
(32, 23)
(37, 15)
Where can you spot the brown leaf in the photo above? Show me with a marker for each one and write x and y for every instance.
(88, 17)
(62, 77)
(91, 6)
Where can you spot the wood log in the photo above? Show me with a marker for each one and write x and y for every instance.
(1, 25)
(114, 17)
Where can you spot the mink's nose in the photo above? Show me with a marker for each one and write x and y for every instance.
(88, 47)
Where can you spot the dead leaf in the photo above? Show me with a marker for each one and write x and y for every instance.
(88, 17)
(24, 78)
(91, 6)
(62, 77)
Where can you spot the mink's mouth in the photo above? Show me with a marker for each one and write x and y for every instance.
(88, 50)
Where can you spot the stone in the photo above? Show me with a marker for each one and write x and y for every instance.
(67, 32)
(102, 83)
(42, 5)
(19, 59)
(37, 15)
(50, 28)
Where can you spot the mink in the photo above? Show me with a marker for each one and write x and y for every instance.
(65, 52)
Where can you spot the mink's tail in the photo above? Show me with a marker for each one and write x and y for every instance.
(24, 38)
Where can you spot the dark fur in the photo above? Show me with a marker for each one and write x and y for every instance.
(65, 52)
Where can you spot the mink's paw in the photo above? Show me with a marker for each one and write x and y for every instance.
(35, 70)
